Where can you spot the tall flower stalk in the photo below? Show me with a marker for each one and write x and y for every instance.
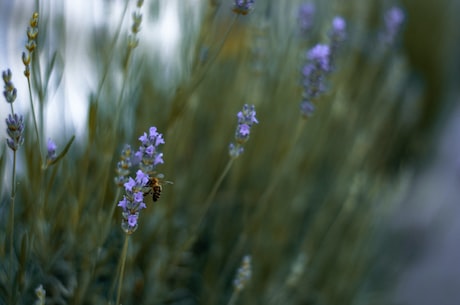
(15, 131)
(31, 45)
(246, 119)
(146, 158)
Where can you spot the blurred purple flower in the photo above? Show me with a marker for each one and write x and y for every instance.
(393, 20)
(306, 16)
(243, 7)
(246, 119)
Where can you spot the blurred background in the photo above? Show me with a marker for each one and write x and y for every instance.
(358, 204)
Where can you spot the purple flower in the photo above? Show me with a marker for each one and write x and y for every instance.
(141, 178)
(244, 130)
(305, 16)
(15, 131)
(132, 220)
(144, 139)
(158, 159)
(337, 35)
(246, 119)
(130, 184)
(243, 7)
(123, 203)
(51, 150)
(339, 26)
(138, 197)
(307, 108)
(393, 19)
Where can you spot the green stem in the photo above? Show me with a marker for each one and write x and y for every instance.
(12, 200)
(212, 194)
(282, 167)
(35, 121)
(122, 268)
(234, 297)
(207, 204)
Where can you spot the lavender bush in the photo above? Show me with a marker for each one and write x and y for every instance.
(298, 217)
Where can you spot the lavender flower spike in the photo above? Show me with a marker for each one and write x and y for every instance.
(337, 36)
(10, 91)
(313, 77)
(393, 19)
(243, 274)
(305, 16)
(147, 157)
(148, 153)
(133, 201)
(15, 130)
(246, 119)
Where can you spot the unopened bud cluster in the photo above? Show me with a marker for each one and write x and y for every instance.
(243, 275)
(32, 33)
(133, 41)
(10, 91)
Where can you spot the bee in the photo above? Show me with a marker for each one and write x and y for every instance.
(155, 186)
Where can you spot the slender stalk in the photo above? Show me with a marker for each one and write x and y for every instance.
(282, 165)
(35, 121)
(281, 168)
(234, 297)
(212, 194)
(122, 268)
(207, 204)
(12, 200)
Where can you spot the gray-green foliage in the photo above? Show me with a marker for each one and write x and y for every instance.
(307, 200)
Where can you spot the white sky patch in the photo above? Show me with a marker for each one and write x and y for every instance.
(67, 105)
